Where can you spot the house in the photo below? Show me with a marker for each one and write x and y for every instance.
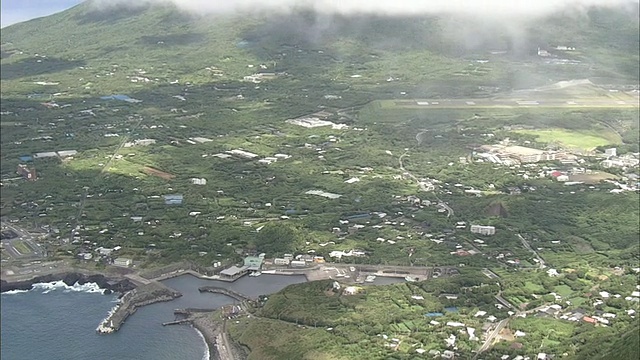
(175, 199)
(26, 173)
(483, 230)
(611, 152)
(589, 320)
(448, 354)
(196, 181)
(281, 261)
(298, 263)
(45, 155)
(124, 262)
(67, 153)
(104, 251)
(350, 290)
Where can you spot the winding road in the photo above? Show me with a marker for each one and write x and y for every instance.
(422, 186)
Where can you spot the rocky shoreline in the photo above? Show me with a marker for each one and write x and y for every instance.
(110, 285)
(220, 347)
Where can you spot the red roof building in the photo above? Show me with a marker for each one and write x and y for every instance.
(26, 173)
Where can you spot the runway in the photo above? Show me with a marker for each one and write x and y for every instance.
(627, 102)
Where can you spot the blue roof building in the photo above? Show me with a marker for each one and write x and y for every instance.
(175, 199)
(433, 314)
(26, 158)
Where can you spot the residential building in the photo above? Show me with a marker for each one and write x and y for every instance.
(67, 153)
(483, 230)
(298, 263)
(175, 199)
(612, 152)
(281, 261)
(196, 181)
(124, 262)
(26, 173)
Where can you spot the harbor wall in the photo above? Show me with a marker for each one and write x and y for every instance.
(134, 299)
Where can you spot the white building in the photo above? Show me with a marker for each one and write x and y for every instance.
(280, 261)
(483, 230)
(611, 152)
(196, 181)
(122, 262)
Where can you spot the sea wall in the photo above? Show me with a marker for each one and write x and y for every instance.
(131, 301)
(119, 285)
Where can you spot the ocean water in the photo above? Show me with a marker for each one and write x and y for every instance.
(58, 322)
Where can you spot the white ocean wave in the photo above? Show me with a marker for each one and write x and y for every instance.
(60, 285)
(206, 346)
(105, 325)
(13, 292)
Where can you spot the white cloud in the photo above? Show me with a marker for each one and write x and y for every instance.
(478, 8)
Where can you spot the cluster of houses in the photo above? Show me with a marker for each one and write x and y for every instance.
(243, 154)
(505, 154)
(260, 77)
(624, 161)
(107, 255)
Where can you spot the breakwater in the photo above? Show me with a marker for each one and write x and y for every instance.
(110, 285)
(228, 292)
(129, 303)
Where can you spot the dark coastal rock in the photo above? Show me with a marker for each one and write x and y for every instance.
(110, 285)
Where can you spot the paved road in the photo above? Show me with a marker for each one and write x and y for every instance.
(492, 336)
(527, 246)
(628, 102)
(501, 325)
(223, 346)
(137, 279)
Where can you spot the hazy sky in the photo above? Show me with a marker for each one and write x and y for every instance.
(13, 11)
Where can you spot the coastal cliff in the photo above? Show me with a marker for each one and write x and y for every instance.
(129, 303)
(110, 285)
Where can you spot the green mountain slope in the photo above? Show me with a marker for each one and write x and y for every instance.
(622, 347)
(169, 45)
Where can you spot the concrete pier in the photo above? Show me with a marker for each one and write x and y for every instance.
(178, 322)
(189, 311)
(219, 290)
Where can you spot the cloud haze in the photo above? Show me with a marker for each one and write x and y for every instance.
(477, 8)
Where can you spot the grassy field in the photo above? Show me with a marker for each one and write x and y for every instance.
(592, 178)
(584, 140)
(22, 247)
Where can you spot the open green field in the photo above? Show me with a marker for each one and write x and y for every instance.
(584, 140)
(592, 178)
(22, 247)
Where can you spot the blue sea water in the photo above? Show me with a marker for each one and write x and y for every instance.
(59, 322)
